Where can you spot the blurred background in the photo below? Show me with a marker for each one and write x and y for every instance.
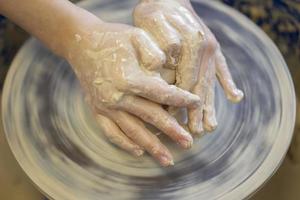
(280, 19)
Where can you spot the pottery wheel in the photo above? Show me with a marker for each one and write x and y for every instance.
(59, 145)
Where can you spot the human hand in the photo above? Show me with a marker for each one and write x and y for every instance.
(194, 56)
(113, 63)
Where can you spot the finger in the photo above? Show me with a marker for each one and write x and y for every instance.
(156, 89)
(150, 55)
(136, 131)
(201, 89)
(154, 114)
(209, 115)
(195, 123)
(231, 91)
(112, 131)
(165, 35)
(209, 119)
(117, 137)
(192, 40)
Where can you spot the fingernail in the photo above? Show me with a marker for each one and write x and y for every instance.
(196, 128)
(240, 95)
(210, 127)
(186, 141)
(171, 162)
(210, 124)
(199, 131)
(187, 144)
(237, 96)
(138, 152)
(165, 161)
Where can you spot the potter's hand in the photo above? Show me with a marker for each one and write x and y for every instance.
(112, 62)
(113, 65)
(192, 53)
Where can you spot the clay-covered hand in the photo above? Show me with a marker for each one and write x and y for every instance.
(194, 58)
(114, 63)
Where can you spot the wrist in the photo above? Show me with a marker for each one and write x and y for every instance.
(77, 33)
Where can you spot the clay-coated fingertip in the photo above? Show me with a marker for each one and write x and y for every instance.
(171, 163)
(197, 129)
(199, 133)
(210, 123)
(210, 127)
(166, 161)
(187, 144)
(236, 96)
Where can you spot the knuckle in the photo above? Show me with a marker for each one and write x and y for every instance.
(108, 101)
(138, 11)
(151, 19)
(210, 43)
(154, 57)
(139, 32)
(154, 17)
(132, 132)
(162, 58)
(150, 117)
(144, 8)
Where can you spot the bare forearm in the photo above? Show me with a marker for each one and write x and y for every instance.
(54, 22)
